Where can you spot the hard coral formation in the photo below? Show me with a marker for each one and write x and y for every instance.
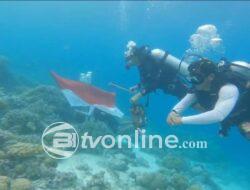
(174, 162)
(21, 121)
(4, 183)
(21, 184)
(152, 181)
(140, 161)
(46, 100)
(23, 150)
(63, 180)
(179, 182)
(95, 129)
(32, 111)
(98, 182)
(117, 164)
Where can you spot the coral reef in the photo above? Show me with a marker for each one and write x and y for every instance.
(119, 162)
(140, 161)
(152, 181)
(174, 162)
(4, 183)
(95, 129)
(23, 150)
(63, 180)
(97, 182)
(24, 113)
(33, 110)
(21, 184)
(179, 182)
(21, 121)
(47, 101)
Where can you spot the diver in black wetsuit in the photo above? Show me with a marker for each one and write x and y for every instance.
(154, 73)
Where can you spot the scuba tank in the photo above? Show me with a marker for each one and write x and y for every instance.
(241, 69)
(238, 70)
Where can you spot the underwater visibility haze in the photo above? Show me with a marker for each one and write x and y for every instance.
(49, 49)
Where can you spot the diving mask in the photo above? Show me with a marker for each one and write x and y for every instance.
(199, 70)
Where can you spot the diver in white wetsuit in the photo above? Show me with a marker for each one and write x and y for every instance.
(224, 98)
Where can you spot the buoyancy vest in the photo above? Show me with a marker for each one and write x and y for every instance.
(208, 99)
(154, 74)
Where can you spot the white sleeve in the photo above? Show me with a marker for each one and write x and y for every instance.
(228, 96)
(187, 101)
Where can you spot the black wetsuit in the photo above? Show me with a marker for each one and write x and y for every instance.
(154, 74)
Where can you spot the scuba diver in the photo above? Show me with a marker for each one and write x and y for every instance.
(158, 70)
(223, 91)
(155, 72)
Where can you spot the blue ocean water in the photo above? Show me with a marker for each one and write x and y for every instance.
(74, 37)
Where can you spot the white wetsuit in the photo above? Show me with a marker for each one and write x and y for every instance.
(228, 97)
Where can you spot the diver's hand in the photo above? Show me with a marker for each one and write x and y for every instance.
(170, 117)
(174, 119)
(135, 98)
